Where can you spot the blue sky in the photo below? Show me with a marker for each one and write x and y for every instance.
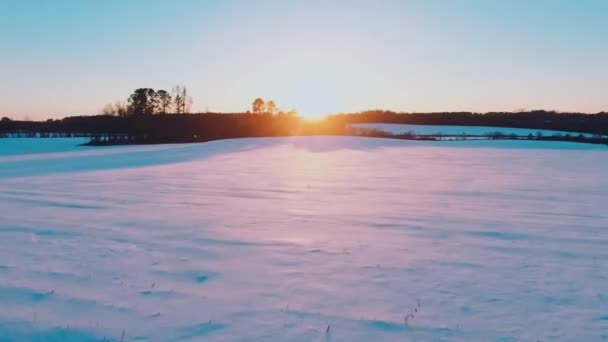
(71, 57)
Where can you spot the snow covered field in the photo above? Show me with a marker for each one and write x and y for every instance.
(20, 146)
(305, 239)
(457, 130)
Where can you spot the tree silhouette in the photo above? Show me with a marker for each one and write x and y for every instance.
(271, 107)
(118, 108)
(5, 119)
(154, 102)
(164, 101)
(109, 110)
(183, 102)
(143, 101)
(257, 107)
(122, 109)
(177, 98)
(188, 101)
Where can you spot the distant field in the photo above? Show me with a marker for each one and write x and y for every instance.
(279, 238)
(457, 130)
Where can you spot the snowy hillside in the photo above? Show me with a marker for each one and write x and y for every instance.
(20, 146)
(305, 239)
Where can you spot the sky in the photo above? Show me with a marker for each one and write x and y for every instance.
(71, 57)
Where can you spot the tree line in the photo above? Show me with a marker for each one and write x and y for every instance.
(259, 106)
(172, 123)
(534, 119)
(147, 101)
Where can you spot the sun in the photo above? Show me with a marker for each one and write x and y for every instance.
(317, 104)
(315, 95)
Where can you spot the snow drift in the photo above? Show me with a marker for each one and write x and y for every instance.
(300, 239)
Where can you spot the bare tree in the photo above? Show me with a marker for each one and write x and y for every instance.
(178, 99)
(109, 110)
(183, 101)
(121, 108)
(187, 101)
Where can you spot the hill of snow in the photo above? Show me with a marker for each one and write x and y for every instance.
(305, 239)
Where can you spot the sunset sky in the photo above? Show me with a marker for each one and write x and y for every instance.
(60, 58)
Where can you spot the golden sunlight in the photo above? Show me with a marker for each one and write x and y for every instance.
(318, 88)
(314, 98)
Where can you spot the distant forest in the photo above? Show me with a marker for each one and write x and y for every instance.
(151, 116)
(535, 119)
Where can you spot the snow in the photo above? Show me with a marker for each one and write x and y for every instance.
(281, 238)
(20, 146)
(457, 130)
